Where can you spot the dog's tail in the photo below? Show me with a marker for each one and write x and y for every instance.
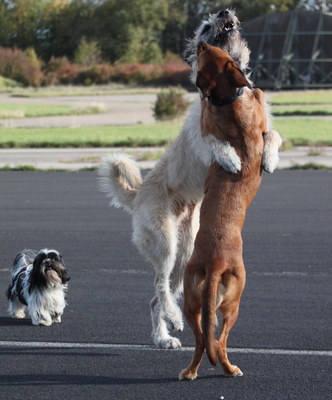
(209, 319)
(121, 179)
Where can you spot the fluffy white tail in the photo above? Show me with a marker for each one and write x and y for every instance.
(120, 179)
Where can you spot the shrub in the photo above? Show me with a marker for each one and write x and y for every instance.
(170, 104)
(20, 66)
(8, 83)
(175, 73)
(60, 70)
(98, 74)
(171, 73)
(25, 68)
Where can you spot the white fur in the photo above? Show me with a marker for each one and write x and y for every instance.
(44, 304)
(162, 234)
(165, 206)
(47, 306)
(272, 140)
(224, 154)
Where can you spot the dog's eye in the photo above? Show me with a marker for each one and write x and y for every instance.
(206, 29)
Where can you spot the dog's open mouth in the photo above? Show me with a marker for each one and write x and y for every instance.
(224, 31)
(228, 26)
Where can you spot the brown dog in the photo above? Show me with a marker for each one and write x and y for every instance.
(215, 275)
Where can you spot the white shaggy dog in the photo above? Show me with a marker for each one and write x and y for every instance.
(165, 206)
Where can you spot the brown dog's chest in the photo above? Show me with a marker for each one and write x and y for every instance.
(223, 211)
(241, 124)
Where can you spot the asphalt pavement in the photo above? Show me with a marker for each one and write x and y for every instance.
(282, 340)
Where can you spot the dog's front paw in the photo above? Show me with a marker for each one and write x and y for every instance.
(19, 314)
(272, 142)
(270, 161)
(224, 154)
(231, 163)
(45, 323)
(41, 322)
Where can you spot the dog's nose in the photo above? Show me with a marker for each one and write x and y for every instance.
(223, 13)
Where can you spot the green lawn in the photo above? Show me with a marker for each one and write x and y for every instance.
(305, 110)
(305, 131)
(77, 90)
(11, 110)
(297, 131)
(302, 97)
(130, 136)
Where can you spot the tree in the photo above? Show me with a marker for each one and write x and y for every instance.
(124, 24)
(316, 5)
(87, 53)
(68, 22)
(22, 21)
(125, 30)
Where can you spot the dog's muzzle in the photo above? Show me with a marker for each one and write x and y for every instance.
(226, 25)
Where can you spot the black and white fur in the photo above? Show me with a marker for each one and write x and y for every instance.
(39, 283)
(165, 205)
(222, 30)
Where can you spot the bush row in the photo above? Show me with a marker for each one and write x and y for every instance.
(25, 68)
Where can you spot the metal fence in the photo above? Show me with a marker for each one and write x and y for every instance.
(291, 50)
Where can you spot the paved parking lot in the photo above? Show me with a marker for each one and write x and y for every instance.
(102, 349)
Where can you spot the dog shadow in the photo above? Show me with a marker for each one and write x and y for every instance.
(8, 321)
(69, 380)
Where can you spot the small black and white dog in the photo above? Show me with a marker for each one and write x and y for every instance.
(39, 282)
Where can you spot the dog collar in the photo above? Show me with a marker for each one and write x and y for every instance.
(216, 101)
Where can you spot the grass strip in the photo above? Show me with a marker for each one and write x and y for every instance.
(10, 110)
(303, 110)
(305, 131)
(299, 132)
(110, 136)
(303, 97)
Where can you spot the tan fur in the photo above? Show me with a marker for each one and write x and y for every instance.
(215, 275)
(165, 204)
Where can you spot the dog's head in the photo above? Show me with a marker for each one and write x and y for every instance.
(48, 270)
(221, 30)
(218, 74)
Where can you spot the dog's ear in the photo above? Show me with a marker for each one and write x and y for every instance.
(205, 84)
(235, 75)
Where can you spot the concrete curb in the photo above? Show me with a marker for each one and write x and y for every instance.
(77, 159)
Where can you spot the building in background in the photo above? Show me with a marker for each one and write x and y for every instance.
(291, 50)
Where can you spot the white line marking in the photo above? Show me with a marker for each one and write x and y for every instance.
(285, 352)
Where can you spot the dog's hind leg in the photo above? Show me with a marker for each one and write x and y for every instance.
(186, 236)
(159, 246)
(160, 336)
(170, 309)
(192, 310)
(228, 368)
